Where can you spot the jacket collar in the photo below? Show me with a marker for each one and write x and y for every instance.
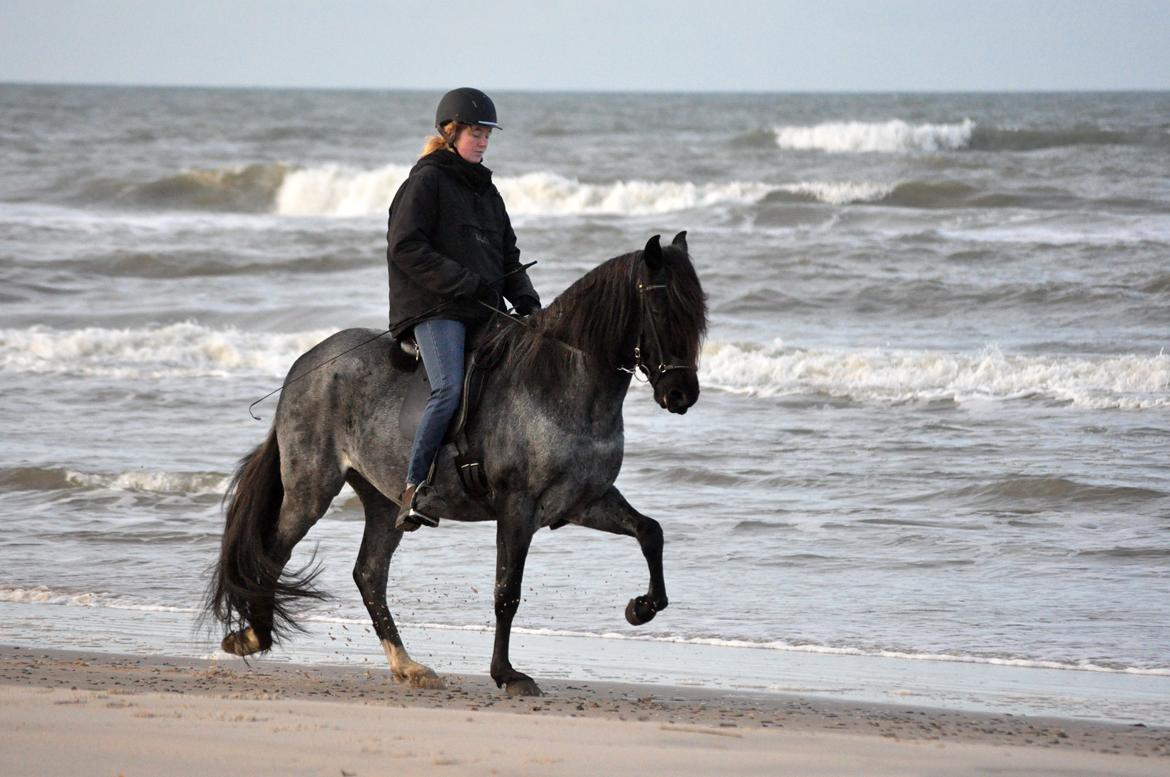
(477, 177)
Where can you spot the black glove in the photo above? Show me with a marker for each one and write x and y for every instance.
(526, 306)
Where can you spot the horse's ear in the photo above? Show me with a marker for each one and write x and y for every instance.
(680, 241)
(652, 254)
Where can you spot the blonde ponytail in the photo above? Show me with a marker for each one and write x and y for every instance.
(446, 138)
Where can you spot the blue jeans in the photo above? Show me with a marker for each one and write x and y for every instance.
(441, 344)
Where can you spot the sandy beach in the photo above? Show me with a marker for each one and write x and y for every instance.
(75, 713)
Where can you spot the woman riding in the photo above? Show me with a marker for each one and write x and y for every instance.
(452, 254)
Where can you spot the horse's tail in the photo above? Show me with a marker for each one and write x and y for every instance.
(247, 586)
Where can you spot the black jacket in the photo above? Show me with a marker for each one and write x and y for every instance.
(448, 231)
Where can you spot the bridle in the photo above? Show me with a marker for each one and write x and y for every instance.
(655, 373)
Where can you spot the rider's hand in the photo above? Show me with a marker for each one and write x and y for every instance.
(526, 306)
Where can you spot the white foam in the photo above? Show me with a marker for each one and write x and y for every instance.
(153, 482)
(551, 194)
(1127, 382)
(332, 190)
(185, 349)
(841, 192)
(45, 595)
(888, 137)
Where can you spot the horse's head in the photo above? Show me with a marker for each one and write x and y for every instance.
(673, 322)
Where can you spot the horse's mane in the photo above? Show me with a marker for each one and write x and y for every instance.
(595, 319)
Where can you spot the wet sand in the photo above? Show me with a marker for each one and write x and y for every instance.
(74, 713)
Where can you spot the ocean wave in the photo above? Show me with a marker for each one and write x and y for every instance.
(1129, 382)
(335, 191)
(888, 137)
(45, 595)
(897, 136)
(56, 479)
(196, 264)
(332, 190)
(833, 192)
(185, 349)
(186, 483)
(1050, 490)
(1033, 139)
(247, 188)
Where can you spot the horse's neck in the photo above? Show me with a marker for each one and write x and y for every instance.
(600, 317)
(590, 380)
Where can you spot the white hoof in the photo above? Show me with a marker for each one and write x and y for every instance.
(242, 643)
(406, 670)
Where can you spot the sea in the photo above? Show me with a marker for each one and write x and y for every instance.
(929, 462)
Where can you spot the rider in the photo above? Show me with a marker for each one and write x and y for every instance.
(452, 253)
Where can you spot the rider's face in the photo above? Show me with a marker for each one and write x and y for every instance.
(472, 142)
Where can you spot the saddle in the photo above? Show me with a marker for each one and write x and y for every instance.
(468, 464)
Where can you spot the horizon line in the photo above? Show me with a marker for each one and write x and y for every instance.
(594, 90)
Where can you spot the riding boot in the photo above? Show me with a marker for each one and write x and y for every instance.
(410, 516)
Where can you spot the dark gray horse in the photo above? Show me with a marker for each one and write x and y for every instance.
(549, 430)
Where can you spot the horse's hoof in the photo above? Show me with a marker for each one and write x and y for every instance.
(421, 676)
(640, 610)
(525, 687)
(243, 643)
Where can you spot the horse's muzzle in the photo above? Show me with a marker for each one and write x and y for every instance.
(678, 394)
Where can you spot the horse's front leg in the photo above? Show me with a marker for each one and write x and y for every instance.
(612, 513)
(514, 532)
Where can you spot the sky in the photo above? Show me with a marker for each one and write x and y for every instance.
(594, 45)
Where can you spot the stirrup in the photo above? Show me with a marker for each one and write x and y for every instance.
(411, 517)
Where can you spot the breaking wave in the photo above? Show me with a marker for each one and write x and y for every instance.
(333, 190)
(1130, 382)
(54, 479)
(336, 191)
(1126, 382)
(344, 192)
(875, 137)
(44, 595)
(175, 350)
(247, 189)
(898, 136)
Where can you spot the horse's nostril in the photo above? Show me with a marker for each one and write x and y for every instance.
(676, 396)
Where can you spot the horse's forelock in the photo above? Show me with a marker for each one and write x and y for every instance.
(687, 303)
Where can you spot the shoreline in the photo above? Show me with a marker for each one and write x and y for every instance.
(1115, 697)
(48, 692)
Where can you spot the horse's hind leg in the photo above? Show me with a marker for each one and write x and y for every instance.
(306, 498)
(370, 573)
(612, 513)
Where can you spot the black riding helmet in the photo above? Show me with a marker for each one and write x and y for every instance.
(466, 106)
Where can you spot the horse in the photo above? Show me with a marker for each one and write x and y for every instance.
(550, 432)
